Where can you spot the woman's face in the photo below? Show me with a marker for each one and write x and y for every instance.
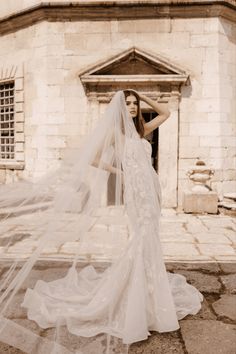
(132, 106)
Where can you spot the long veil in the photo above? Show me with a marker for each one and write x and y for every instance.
(100, 300)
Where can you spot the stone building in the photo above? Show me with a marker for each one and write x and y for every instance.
(60, 63)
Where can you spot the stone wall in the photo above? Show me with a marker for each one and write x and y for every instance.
(58, 114)
(50, 90)
(227, 47)
(207, 109)
(207, 113)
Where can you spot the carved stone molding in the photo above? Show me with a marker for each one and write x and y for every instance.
(107, 10)
(137, 69)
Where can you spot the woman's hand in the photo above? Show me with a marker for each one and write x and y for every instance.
(140, 95)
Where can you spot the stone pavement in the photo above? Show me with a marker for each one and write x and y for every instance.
(211, 331)
(199, 247)
(184, 237)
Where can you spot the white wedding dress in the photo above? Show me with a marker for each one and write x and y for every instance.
(135, 295)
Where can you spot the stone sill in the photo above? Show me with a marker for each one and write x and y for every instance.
(11, 165)
(113, 10)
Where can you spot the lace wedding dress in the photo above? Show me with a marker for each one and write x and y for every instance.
(142, 294)
(101, 310)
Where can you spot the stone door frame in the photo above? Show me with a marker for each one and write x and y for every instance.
(168, 147)
(164, 88)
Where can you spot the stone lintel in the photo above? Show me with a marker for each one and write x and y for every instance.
(119, 10)
(135, 79)
(152, 87)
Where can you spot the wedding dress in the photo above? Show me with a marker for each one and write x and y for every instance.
(133, 294)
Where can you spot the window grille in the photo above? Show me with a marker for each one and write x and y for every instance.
(7, 124)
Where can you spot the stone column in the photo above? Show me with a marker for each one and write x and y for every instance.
(168, 153)
(93, 111)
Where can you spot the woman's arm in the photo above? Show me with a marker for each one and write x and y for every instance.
(161, 109)
(106, 166)
(109, 168)
(98, 163)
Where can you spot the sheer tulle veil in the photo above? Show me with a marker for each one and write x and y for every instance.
(100, 305)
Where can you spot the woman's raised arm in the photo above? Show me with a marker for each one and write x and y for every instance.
(160, 108)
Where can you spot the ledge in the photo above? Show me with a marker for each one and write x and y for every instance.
(117, 10)
(11, 165)
(102, 87)
(135, 79)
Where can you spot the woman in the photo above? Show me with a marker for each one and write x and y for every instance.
(132, 99)
(133, 294)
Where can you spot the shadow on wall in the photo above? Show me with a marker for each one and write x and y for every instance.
(186, 91)
(229, 30)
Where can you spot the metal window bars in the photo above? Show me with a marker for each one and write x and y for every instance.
(7, 122)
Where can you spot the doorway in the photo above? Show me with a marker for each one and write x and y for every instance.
(153, 138)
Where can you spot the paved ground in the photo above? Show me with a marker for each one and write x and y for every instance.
(211, 331)
(199, 247)
(185, 237)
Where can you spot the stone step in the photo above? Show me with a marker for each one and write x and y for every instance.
(228, 205)
(26, 209)
(230, 196)
(227, 208)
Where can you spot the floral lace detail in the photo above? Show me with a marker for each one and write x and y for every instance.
(147, 148)
(144, 213)
(139, 188)
(141, 292)
(125, 299)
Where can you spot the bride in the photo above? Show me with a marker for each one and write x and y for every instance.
(98, 307)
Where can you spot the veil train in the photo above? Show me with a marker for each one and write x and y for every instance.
(98, 306)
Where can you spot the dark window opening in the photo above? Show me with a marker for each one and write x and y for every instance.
(153, 138)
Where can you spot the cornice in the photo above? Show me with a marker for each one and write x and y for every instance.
(100, 79)
(119, 10)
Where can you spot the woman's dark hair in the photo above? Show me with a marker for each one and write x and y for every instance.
(138, 120)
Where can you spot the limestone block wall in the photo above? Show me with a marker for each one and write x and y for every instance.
(227, 154)
(207, 113)
(21, 49)
(57, 111)
(50, 90)
(194, 44)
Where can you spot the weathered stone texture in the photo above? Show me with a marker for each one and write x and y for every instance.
(208, 336)
(203, 282)
(206, 268)
(229, 282)
(228, 267)
(166, 343)
(226, 307)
